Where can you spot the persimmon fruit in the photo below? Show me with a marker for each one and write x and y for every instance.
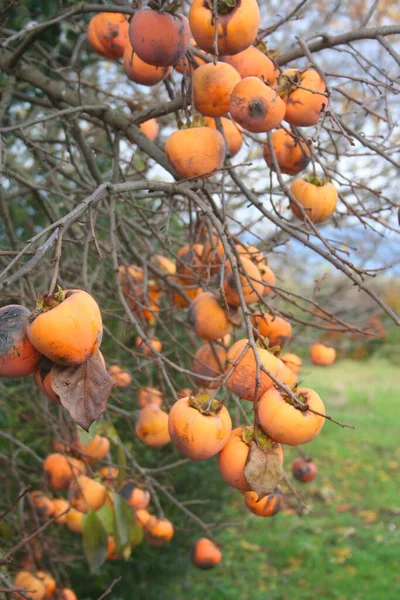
(18, 357)
(205, 554)
(152, 426)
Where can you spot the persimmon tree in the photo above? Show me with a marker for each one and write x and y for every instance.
(176, 189)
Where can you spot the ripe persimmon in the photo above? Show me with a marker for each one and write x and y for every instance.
(212, 88)
(207, 317)
(43, 504)
(186, 286)
(205, 554)
(48, 581)
(135, 497)
(275, 328)
(66, 594)
(147, 348)
(252, 62)
(322, 355)
(189, 261)
(317, 196)
(209, 361)
(286, 375)
(108, 476)
(250, 280)
(303, 106)
(159, 38)
(152, 426)
(43, 380)
(85, 493)
(108, 34)
(26, 581)
(60, 470)
(112, 553)
(190, 61)
(140, 72)
(75, 520)
(142, 516)
(266, 507)
(150, 129)
(285, 423)
(196, 152)
(95, 450)
(234, 455)
(60, 505)
(149, 395)
(232, 133)
(18, 357)
(292, 361)
(66, 327)
(158, 531)
(121, 377)
(237, 25)
(250, 252)
(267, 277)
(242, 381)
(164, 264)
(198, 431)
(304, 469)
(256, 106)
(291, 153)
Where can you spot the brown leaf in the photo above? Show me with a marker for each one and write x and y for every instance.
(83, 390)
(263, 470)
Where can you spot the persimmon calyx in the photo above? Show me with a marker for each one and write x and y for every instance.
(315, 180)
(201, 402)
(301, 398)
(197, 121)
(170, 7)
(224, 7)
(46, 302)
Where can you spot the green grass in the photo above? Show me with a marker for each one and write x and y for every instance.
(348, 547)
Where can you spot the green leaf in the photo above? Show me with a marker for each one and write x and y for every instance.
(121, 468)
(94, 540)
(86, 436)
(106, 516)
(124, 523)
(138, 535)
(109, 431)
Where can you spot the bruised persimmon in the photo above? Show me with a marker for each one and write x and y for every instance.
(275, 328)
(304, 469)
(242, 381)
(18, 357)
(237, 25)
(205, 554)
(108, 476)
(75, 520)
(232, 133)
(317, 197)
(197, 430)
(60, 505)
(256, 106)
(291, 153)
(43, 380)
(152, 426)
(322, 355)
(95, 450)
(287, 424)
(43, 504)
(142, 516)
(150, 129)
(212, 88)
(250, 281)
(159, 38)
(48, 581)
(108, 34)
(35, 589)
(147, 348)
(268, 506)
(252, 62)
(196, 152)
(66, 594)
(209, 361)
(299, 91)
(85, 493)
(135, 497)
(292, 361)
(267, 277)
(158, 531)
(122, 378)
(66, 327)
(207, 317)
(60, 470)
(234, 456)
(149, 395)
(140, 72)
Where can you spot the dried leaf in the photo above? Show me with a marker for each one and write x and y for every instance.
(263, 470)
(83, 390)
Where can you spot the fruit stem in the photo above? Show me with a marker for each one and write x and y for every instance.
(315, 180)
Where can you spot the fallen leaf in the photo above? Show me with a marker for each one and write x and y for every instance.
(263, 470)
(368, 516)
(83, 390)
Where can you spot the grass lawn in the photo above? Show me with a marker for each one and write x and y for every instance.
(348, 547)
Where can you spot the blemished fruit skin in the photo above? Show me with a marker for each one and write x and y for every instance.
(212, 88)
(158, 531)
(69, 333)
(304, 470)
(108, 34)
(140, 72)
(159, 38)
(205, 554)
(18, 357)
(85, 493)
(256, 106)
(196, 152)
(266, 507)
(152, 426)
(136, 497)
(60, 470)
(44, 506)
(207, 317)
(292, 155)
